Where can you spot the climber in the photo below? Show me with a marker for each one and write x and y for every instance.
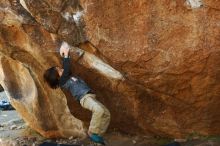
(58, 77)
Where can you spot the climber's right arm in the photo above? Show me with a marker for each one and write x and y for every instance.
(64, 52)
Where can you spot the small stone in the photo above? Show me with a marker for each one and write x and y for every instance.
(23, 126)
(134, 141)
(13, 127)
(195, 137)
(19, 127)
(70, 138)
(180, 140)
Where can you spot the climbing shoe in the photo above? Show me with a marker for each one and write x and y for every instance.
(97, 139)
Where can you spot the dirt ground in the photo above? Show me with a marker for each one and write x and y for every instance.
(14, 132)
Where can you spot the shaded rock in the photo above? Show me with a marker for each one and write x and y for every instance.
(13, 127)
(1, 89)
(58, 17)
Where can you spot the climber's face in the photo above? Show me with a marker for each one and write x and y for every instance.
(59, 70)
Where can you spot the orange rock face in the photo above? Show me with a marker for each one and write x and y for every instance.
(154, 64)
(171, 50)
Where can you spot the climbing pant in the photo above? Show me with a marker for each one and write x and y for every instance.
(100, 114)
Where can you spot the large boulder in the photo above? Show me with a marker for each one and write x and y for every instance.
(154, 64)
(23, 59)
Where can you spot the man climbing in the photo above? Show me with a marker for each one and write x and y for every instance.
(58, 77)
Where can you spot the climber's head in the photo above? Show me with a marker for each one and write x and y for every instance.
(52, 76)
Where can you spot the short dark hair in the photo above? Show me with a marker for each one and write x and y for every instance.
(51, 76)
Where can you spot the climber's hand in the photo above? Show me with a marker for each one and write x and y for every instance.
(64, 49)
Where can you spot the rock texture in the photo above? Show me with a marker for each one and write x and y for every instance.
(23, 58)
(154, 64)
